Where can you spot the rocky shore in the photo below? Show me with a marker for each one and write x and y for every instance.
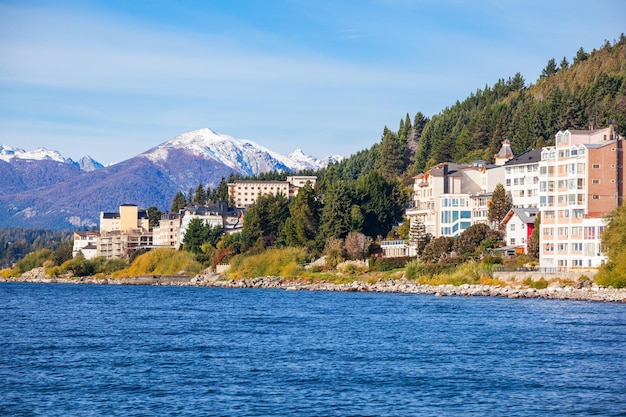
(583, 291)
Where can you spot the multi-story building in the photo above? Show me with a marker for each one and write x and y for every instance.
(120, 234)
(245, 193)
(87, 243)
(167, 233)
(228, 218)
(128, 218)
(581, 180)
(521, 178)
(451, 197)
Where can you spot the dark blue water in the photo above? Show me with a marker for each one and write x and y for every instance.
(86, 350)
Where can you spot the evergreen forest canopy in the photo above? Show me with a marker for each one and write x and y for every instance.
(589, 90)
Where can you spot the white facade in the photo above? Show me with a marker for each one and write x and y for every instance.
(580, 181)
(522, 179)
(87, 243)
(211, 218)
(245, 193)
(518, 225)
(451, 197)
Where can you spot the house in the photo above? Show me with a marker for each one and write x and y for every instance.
(397, 248)
(245, 193)
(87, 243)
(451, 197)
(228, 218)
(581, 179)
(518, 225)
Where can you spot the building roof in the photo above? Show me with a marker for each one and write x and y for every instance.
(526, 215)
(529, 157)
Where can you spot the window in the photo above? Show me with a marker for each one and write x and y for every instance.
(512, 241)
(562, 247)
(595, 166)
(548, 231)
(578, 213)
(562, 231)
(549, 214)
(512, 227)
(508, 182)
(595, 181)
(595, 197)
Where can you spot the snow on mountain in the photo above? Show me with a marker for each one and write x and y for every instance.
(88, 164)
(310, 162)
(8, 153)
(242, 155)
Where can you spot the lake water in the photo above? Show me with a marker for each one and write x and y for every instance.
(86, 350)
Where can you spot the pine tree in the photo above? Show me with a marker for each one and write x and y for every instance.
(550, 68)
(178, 203)
(499, 206)
(200, 196)
(391, 157)
(418, 236)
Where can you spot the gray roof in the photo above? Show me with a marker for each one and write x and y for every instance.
(527, 215)
(529, 157)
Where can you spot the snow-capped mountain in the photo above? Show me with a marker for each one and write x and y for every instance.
(44, 190)
(8, 153)
(310, 162)
(242, 155)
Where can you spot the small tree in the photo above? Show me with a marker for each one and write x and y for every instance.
(418, 236)
(178, 202)
(499, 206)
(357, 245)
(437, 249)
(534, 242)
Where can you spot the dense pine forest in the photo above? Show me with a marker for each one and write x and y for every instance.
(573, 94)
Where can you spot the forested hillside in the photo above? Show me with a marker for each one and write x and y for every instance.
(589, 88)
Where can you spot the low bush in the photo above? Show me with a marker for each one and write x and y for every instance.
(611, 275)
(539, 284)
(271, 262)
(162, 262)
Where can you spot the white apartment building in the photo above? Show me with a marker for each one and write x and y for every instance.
(245, 193)
(521, 179)
(451, 197)
(581, 180)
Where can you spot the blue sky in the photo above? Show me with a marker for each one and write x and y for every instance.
(112, 79)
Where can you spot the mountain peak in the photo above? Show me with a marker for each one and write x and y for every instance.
(242, 155)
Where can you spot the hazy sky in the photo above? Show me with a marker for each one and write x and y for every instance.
(112, 79)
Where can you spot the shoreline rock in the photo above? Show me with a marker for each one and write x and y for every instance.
(587, 292)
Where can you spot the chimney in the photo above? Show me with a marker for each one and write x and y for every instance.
(446, 185)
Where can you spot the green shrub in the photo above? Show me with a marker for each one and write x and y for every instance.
(33, 260)
(415, 269)
(540, 284)
(611, 274)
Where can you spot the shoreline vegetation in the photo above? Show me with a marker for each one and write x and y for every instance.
(584, 290)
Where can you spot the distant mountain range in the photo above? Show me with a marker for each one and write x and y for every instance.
(43, 189)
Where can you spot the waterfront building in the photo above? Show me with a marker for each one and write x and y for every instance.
(518, 225)
(581, 180)
(167, 233)
(450, 197)
(521, 178)
(245, 193)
